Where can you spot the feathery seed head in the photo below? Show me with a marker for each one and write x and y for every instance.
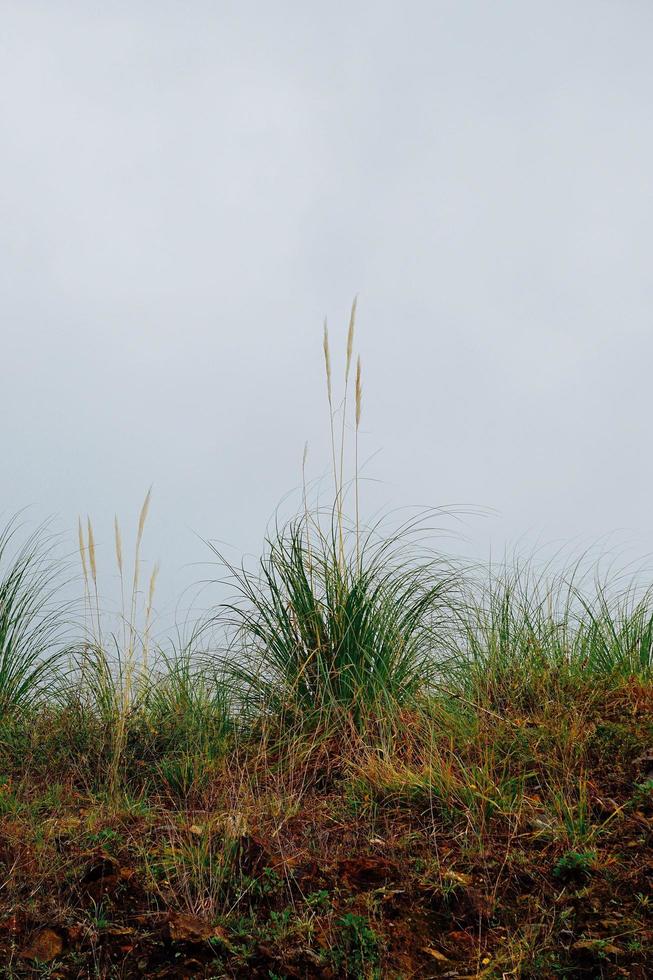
(91, 551)
(116, 527)
(359, 392)
(143, 517)
(82, 548)
(350, 336)
(327, 359)
(153, 578)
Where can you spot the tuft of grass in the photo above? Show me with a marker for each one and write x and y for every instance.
(32, 627)
(110, 675)
(188, 703)
(526, 636)
(322, 634)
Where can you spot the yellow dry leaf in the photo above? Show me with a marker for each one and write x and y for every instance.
(436, 954)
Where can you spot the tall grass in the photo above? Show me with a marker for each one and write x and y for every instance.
(338, 624)
(338, 621)
(615, 634)
(188, 704)
(523, 627)
(114, 667)
(32, 625)
(325, 630)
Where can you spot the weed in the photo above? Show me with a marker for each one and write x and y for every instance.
(574, 865)
(357, 951)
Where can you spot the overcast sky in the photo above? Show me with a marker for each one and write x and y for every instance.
(188, 188)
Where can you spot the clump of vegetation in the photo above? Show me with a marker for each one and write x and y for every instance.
(399, 767)
(574, 864)
(31, 625)
(330, 636)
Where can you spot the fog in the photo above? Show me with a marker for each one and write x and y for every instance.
(188, 189)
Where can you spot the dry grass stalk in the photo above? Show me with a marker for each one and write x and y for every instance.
(338, 471)
(327, 366)
(82, 551)
(118, 537)
(306, 512)
(143, 517)
(130, 637)
(350, 336)
(93, 564)
(148, 615)
(327, 362)
(129, 666)
(119, 561)
(82, 555)
(91, 552)
(359, 393)
(359, 401)
(340, 490)
(137, 561)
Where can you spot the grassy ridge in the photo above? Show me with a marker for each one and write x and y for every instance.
(394, 771)
(397, 767)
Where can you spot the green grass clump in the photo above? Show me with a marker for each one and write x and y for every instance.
(527, 637)
(320, 633)
(31, 624)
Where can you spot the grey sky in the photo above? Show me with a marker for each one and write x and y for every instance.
(187, 188)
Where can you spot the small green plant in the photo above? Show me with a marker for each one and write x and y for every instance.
(268, 883)
(98, 915)
(357, 952)
(574, 865)
(319, 900)
(643, 793)
(280, 924)
(107, 838)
